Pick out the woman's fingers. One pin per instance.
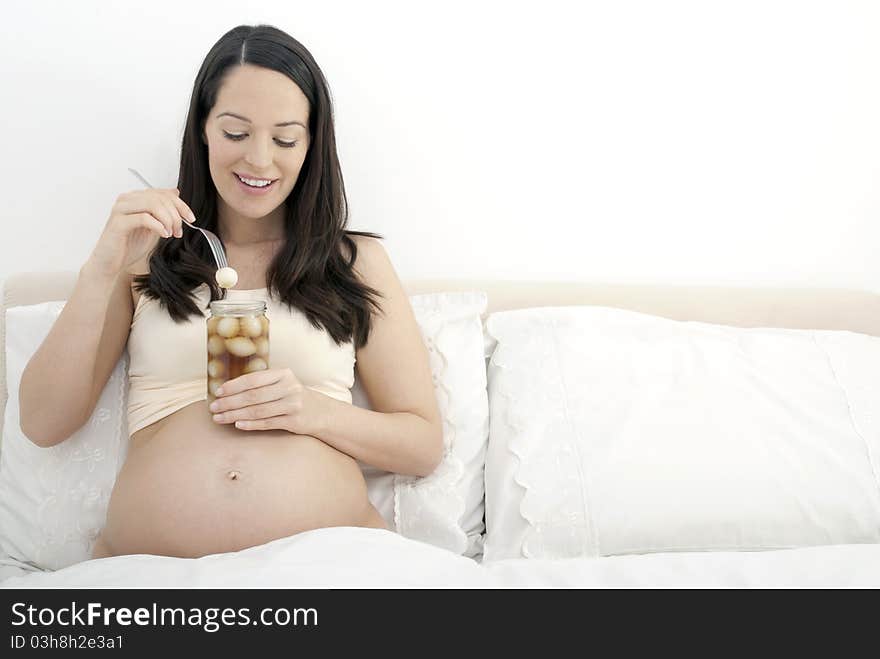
(147, 221)
(173, 214)
(261, 411)
(184, 210)
(248, 398)
(155, 203)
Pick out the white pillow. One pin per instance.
(446, 508)
(53, 502)
(616, 432)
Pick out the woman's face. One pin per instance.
(258, 129)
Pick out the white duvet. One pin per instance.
(354, 557)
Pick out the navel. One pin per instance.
(233, 475)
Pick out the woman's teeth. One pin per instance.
(253, 182)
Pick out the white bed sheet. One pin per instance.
(355, 557)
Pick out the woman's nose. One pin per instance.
(259, 155)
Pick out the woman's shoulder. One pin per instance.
(370, 258)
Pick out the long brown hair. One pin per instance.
(310, 271)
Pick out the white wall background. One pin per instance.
(671, 142)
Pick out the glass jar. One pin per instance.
(238, 341)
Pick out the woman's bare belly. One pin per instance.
(191, 487)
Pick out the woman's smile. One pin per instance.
(252, 187)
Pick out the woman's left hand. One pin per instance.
(273, 399)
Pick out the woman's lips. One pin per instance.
(254, 191)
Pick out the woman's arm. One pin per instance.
(64, 378)
(400, 442)
(403, 433)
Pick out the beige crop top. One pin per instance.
(167, 360)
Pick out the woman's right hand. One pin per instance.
(137, 221)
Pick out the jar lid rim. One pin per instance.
(238, 305)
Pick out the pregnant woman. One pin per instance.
(276, 454)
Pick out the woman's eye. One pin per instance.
(240, 136)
